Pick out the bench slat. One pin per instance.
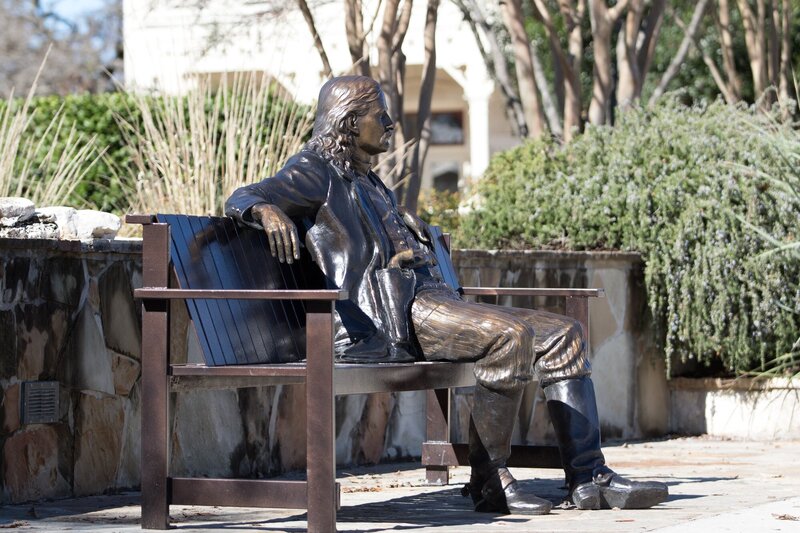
(238, 492)
(531, 291)
(217, 294)
(253, 312)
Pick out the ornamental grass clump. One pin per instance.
(190, 153)
(685, 187)
(42, 161)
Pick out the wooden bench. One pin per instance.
(274, 325)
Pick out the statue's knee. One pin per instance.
(575, 331)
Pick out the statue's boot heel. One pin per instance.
(622, 493)
(586, 497)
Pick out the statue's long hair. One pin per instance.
(341, 101)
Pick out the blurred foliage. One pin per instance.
(684, 186)
(92, 115)
(440, 208)
(105, 116)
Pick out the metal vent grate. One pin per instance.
(39, 402)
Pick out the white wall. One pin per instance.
(167, 44)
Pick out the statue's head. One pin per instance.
(351, 120)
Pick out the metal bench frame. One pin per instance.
(324, 379)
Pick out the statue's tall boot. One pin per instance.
(592, 485)
(491, 485)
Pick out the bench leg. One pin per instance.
(437, 429)
(155, 394)
(320, 412)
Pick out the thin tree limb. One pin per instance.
(326, 65)
(690, 37)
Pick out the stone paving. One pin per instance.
(715, 485)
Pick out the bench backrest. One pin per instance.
(217, 253)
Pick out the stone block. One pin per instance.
(41, 334)
(99, 426)
(129, 470)
(30, 229)
(255, 457)
(126, 372)
(290, 427)
(121, 324)
(8, 340)
(89, 359)
(406, 428)
(62, 280)
(207, 433)
(31, 469)
(19, 280)
(91, 224)
(14, 210)
(63, 218)
(374, 422)
(10, 408)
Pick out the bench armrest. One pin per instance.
(227, 294)
(529, 291)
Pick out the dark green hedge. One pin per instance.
(92, 114)
(686, 187)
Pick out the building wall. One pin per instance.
(167, 46)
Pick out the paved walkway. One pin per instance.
(715, 486)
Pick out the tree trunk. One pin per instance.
(652, 29)
(774, 44)
(690, 37)
(786, 82)
(326, 66)
(389, 63)
(523, 63)
(724, 25)
(356, 37)
(573, 105)
(602, 20)
(424, 110)
(627, 61)
(569, 65)
(755, 39)
(495, 63)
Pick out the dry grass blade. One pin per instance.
(191, 152)
(44, 167)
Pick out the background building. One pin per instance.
(167, 45)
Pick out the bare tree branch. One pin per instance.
(495, 62)
(424, 110)
(689, 37)
(326, 65)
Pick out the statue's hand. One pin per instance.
(281, 232)
(416, 225)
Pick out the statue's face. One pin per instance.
(375, 128)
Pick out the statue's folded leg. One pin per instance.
(502, 347)
(563, 371)
(592, 485)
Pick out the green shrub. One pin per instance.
(684, 187)
(114, 120)
(93, 116)
(440, 208)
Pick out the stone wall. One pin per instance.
(67, 315)
(628, 371)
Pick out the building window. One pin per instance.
(447, 127)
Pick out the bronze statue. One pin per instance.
(400, 309)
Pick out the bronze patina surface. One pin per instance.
(399, 308)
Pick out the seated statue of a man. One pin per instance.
(399, 308)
